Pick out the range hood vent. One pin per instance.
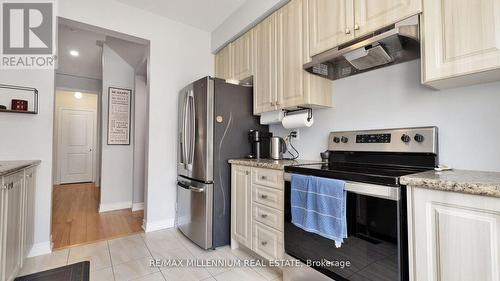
(391, 45)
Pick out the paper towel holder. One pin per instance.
(301, 108)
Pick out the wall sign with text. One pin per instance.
(119, 102)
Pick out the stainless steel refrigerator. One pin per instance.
(214, 120)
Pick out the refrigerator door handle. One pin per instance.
(184, 133)
(192, 135)
(189, 187)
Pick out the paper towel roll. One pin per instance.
(297, 121)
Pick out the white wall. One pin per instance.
(242, 20)
(26, 136)
(117, 160)
(468, 118)
(140, 131)
(179, 54)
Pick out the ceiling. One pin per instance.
(88, 63)
(88, 43)
(203, 14)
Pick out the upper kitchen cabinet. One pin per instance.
(242, 62)
(223, 63)
(265, 66)
(297, 87)
(330, 24)
(370, 15)
(461, 42)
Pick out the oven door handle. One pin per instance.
(373, 190)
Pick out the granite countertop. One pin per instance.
(471, 182)
(7, 167)
(270, 163)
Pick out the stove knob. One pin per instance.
(419, 138)
(336, 139)
(405, 138)
(344, 139)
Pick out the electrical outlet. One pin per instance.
(295, 134)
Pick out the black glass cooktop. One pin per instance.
(375, 174)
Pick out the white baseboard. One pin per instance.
(115, 206)
(40, 249)
(158, 225)
(137, 206)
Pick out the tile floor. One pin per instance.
(129, 258)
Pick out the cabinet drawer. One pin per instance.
(268, 177)
(268, 216)
(268, 196)
(267, 242)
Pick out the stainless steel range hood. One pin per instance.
(394, 44)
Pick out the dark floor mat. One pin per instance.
(74, 272)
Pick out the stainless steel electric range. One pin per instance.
(371, 162)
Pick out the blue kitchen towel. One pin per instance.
(319, 206)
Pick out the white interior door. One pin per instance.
(76, 128)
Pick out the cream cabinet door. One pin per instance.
(223, 64)
(241, 209)
(296, 87)
(461, 43)
(29, 210)
(242, 57)
(12, 244)
(331, 23)
(371, 15)
(453, 236)
(290, 55)
(265, 65)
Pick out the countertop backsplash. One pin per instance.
(392, 97)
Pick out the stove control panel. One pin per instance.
(413, 140)
(373, 138)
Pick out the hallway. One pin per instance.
(76, 220)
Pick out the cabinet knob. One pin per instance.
(263, 243)
(263, 178)
(278, 103)
(347, 31)
(264, 216)
(263, 196)
(272, 103)
(247, 173)
(356, 27)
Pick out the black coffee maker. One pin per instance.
(261, 144)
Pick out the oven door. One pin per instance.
(376, 247)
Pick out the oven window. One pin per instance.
(371, 248)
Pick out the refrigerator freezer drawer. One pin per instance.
(194, 211)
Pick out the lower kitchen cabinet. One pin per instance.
(241, 210)
(257, 210)
(453, 236)
(16, 221)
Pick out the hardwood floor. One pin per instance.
(76, 220)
